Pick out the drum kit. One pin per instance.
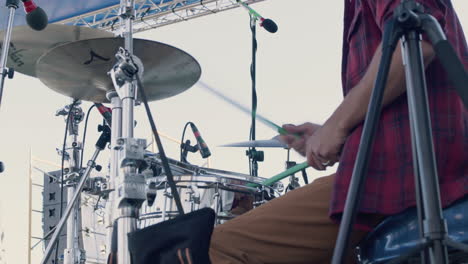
(92, 65)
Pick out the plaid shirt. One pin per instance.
(390, 187)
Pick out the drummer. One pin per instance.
(302, 226)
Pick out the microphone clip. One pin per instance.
(185, 149)
(188, 147)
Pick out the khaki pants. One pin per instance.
(291, 229)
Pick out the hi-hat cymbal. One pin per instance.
(79, 69)
(270, 143)
(28, 45)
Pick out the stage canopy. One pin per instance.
(104, 14)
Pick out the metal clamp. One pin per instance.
(97, 186)
(72, 178)
(132, 186)
(76, 117)
(124, 71)
(194, 194)
(132, 151)
(127, 12)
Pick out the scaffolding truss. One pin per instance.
(151, 14)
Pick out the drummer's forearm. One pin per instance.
(352, 111)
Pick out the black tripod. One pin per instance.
(408, 23)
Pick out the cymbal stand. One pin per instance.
(116, 133)
(129, 184)
(100, 145)
(407, 24)
(12, 5)
(73, 254)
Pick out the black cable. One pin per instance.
(84, 135)
(145, 13)
(162, 154)
(253, 77)
(182, 139)
(113, 23)
(62, 170)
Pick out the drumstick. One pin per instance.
(244, 109)
(267, 122)
(282, 175)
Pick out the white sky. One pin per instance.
(298, 80)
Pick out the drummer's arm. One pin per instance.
(352, 111)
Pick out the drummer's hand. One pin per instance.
(298, 142)
(323, 148)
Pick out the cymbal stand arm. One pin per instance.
(12, 5)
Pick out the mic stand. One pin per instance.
(254, 155)
(408, 22)
(293, 180)
(73, 253)
(100, 145)
(12, 5)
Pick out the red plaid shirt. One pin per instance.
(390, 187)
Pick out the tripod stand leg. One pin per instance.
(390, 39)
(455, 245)
(434, 225)
(417, 184)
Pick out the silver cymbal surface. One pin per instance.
(270, 143)
(28, 45)
(79, 69)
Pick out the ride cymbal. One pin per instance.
(80, 69)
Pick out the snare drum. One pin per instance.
(202, 187)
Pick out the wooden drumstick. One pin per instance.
(244, 109)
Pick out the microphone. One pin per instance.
(106, 112)
(268, 24)
(36, 17)
(204, 151)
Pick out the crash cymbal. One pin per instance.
(79, 69)
(28, 45)
(270, 143)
